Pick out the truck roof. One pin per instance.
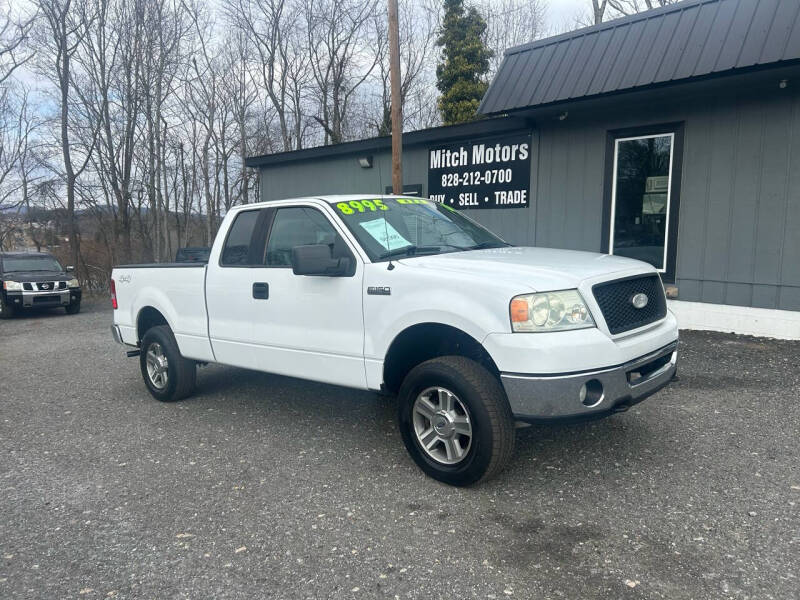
(332, 199)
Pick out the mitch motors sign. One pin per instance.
(485, 173)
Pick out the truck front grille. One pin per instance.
(615, 299)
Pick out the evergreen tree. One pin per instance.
(465, 61)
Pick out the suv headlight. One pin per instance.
(73, 283)
(549, 311)
(12, 286)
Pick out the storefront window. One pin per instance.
(640, 203)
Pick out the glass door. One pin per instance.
(641, 196)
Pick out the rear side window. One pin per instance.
(240, 247)
(299, 226)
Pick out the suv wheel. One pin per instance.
(73, 309)
(167, 375)
(455, 420)
(6, 310)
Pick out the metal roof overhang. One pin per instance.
(686, 41)
(433, 135)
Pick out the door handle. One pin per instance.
(261, 291)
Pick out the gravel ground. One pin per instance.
(267, 487)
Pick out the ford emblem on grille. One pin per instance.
(639, 300)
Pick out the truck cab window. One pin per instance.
(239, 249)
(300, 226)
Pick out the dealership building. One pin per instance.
(671, 136)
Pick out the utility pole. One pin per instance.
(397, 108)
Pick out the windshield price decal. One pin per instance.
(485, 173)
(348, 208)
(354, 206)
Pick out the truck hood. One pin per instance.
(543, 269)
(37, 276)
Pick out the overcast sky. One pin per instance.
(560, 12)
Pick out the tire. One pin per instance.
(6, 311)
(181, 373)
(73, 309)
(478, 397)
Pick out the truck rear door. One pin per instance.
(262, 316)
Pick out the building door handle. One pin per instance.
(261, 291)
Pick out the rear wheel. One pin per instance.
(167, 375)
(455, 420)
(6, 310)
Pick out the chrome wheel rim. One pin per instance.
(442, 425)
(157, 366)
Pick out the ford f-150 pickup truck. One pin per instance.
(409, 297)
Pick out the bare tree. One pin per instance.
(418, 25)
(613, 9)
(341, 59)
(274, 31)
(202, 86)
(112, 59)
(511, 23)
(65, 25)
(14, 33)
(240, 95)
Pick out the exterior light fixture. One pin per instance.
(365, 162)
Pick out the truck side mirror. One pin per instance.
(70, 269)
(316, 259)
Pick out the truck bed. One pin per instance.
(177, 291)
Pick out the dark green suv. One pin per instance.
(36, 280)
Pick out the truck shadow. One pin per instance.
(552, 451)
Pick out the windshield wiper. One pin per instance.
(410, 251)
(485, 245)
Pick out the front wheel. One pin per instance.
(167, 375)
(73, 309)
(455, 420)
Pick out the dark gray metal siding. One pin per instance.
(739, 230)
(682, 41)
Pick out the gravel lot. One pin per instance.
(268, 487)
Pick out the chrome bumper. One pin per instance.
(117, 334)
(43, 298)
(593, 393)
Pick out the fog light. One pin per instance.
(591, 393)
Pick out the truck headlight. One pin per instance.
(549, 311)
(73, 283)
(12, 286)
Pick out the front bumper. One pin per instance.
(44, 298)
(590, 394)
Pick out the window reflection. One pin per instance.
(641, 198)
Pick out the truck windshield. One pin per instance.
(400, 227)
(13, 264)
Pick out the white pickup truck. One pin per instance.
(409, 297)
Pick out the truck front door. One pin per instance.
(262, 316)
